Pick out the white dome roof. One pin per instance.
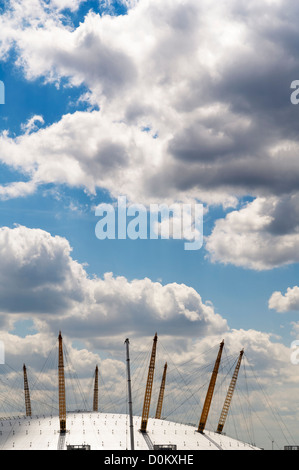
(106, 432)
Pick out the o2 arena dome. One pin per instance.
(119, 432)
(94, 431)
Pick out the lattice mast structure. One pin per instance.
(229, 396)
(61, 379)
(149, 387)
(27, 393)
(210, 393)
(161, 395)
(127, 343)
(96, 391)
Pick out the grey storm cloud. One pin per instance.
(98, 64)
(212, 154)
(285, 216)
(255, 85)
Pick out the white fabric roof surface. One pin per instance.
(106, 432)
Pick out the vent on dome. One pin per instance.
(166, 447)
(84, 447)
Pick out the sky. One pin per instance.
(162, 102)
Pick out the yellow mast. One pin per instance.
(27, 393)
(161, 396)
(149, 387)
(96, 391)
(229, 396)
(209, 397)
(62, 402)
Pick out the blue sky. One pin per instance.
(138, 101)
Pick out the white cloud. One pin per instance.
(19, 189)
(38, 276)
(37, 273)
(72, 5)
(31, 125)
(262, 235)
(85, 149)
(285, 303)
(162, 67)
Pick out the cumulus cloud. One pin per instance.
(262, 235)
(285, 303)
(37, 273)
(161, 67)
(83, 150)
(39, 276)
